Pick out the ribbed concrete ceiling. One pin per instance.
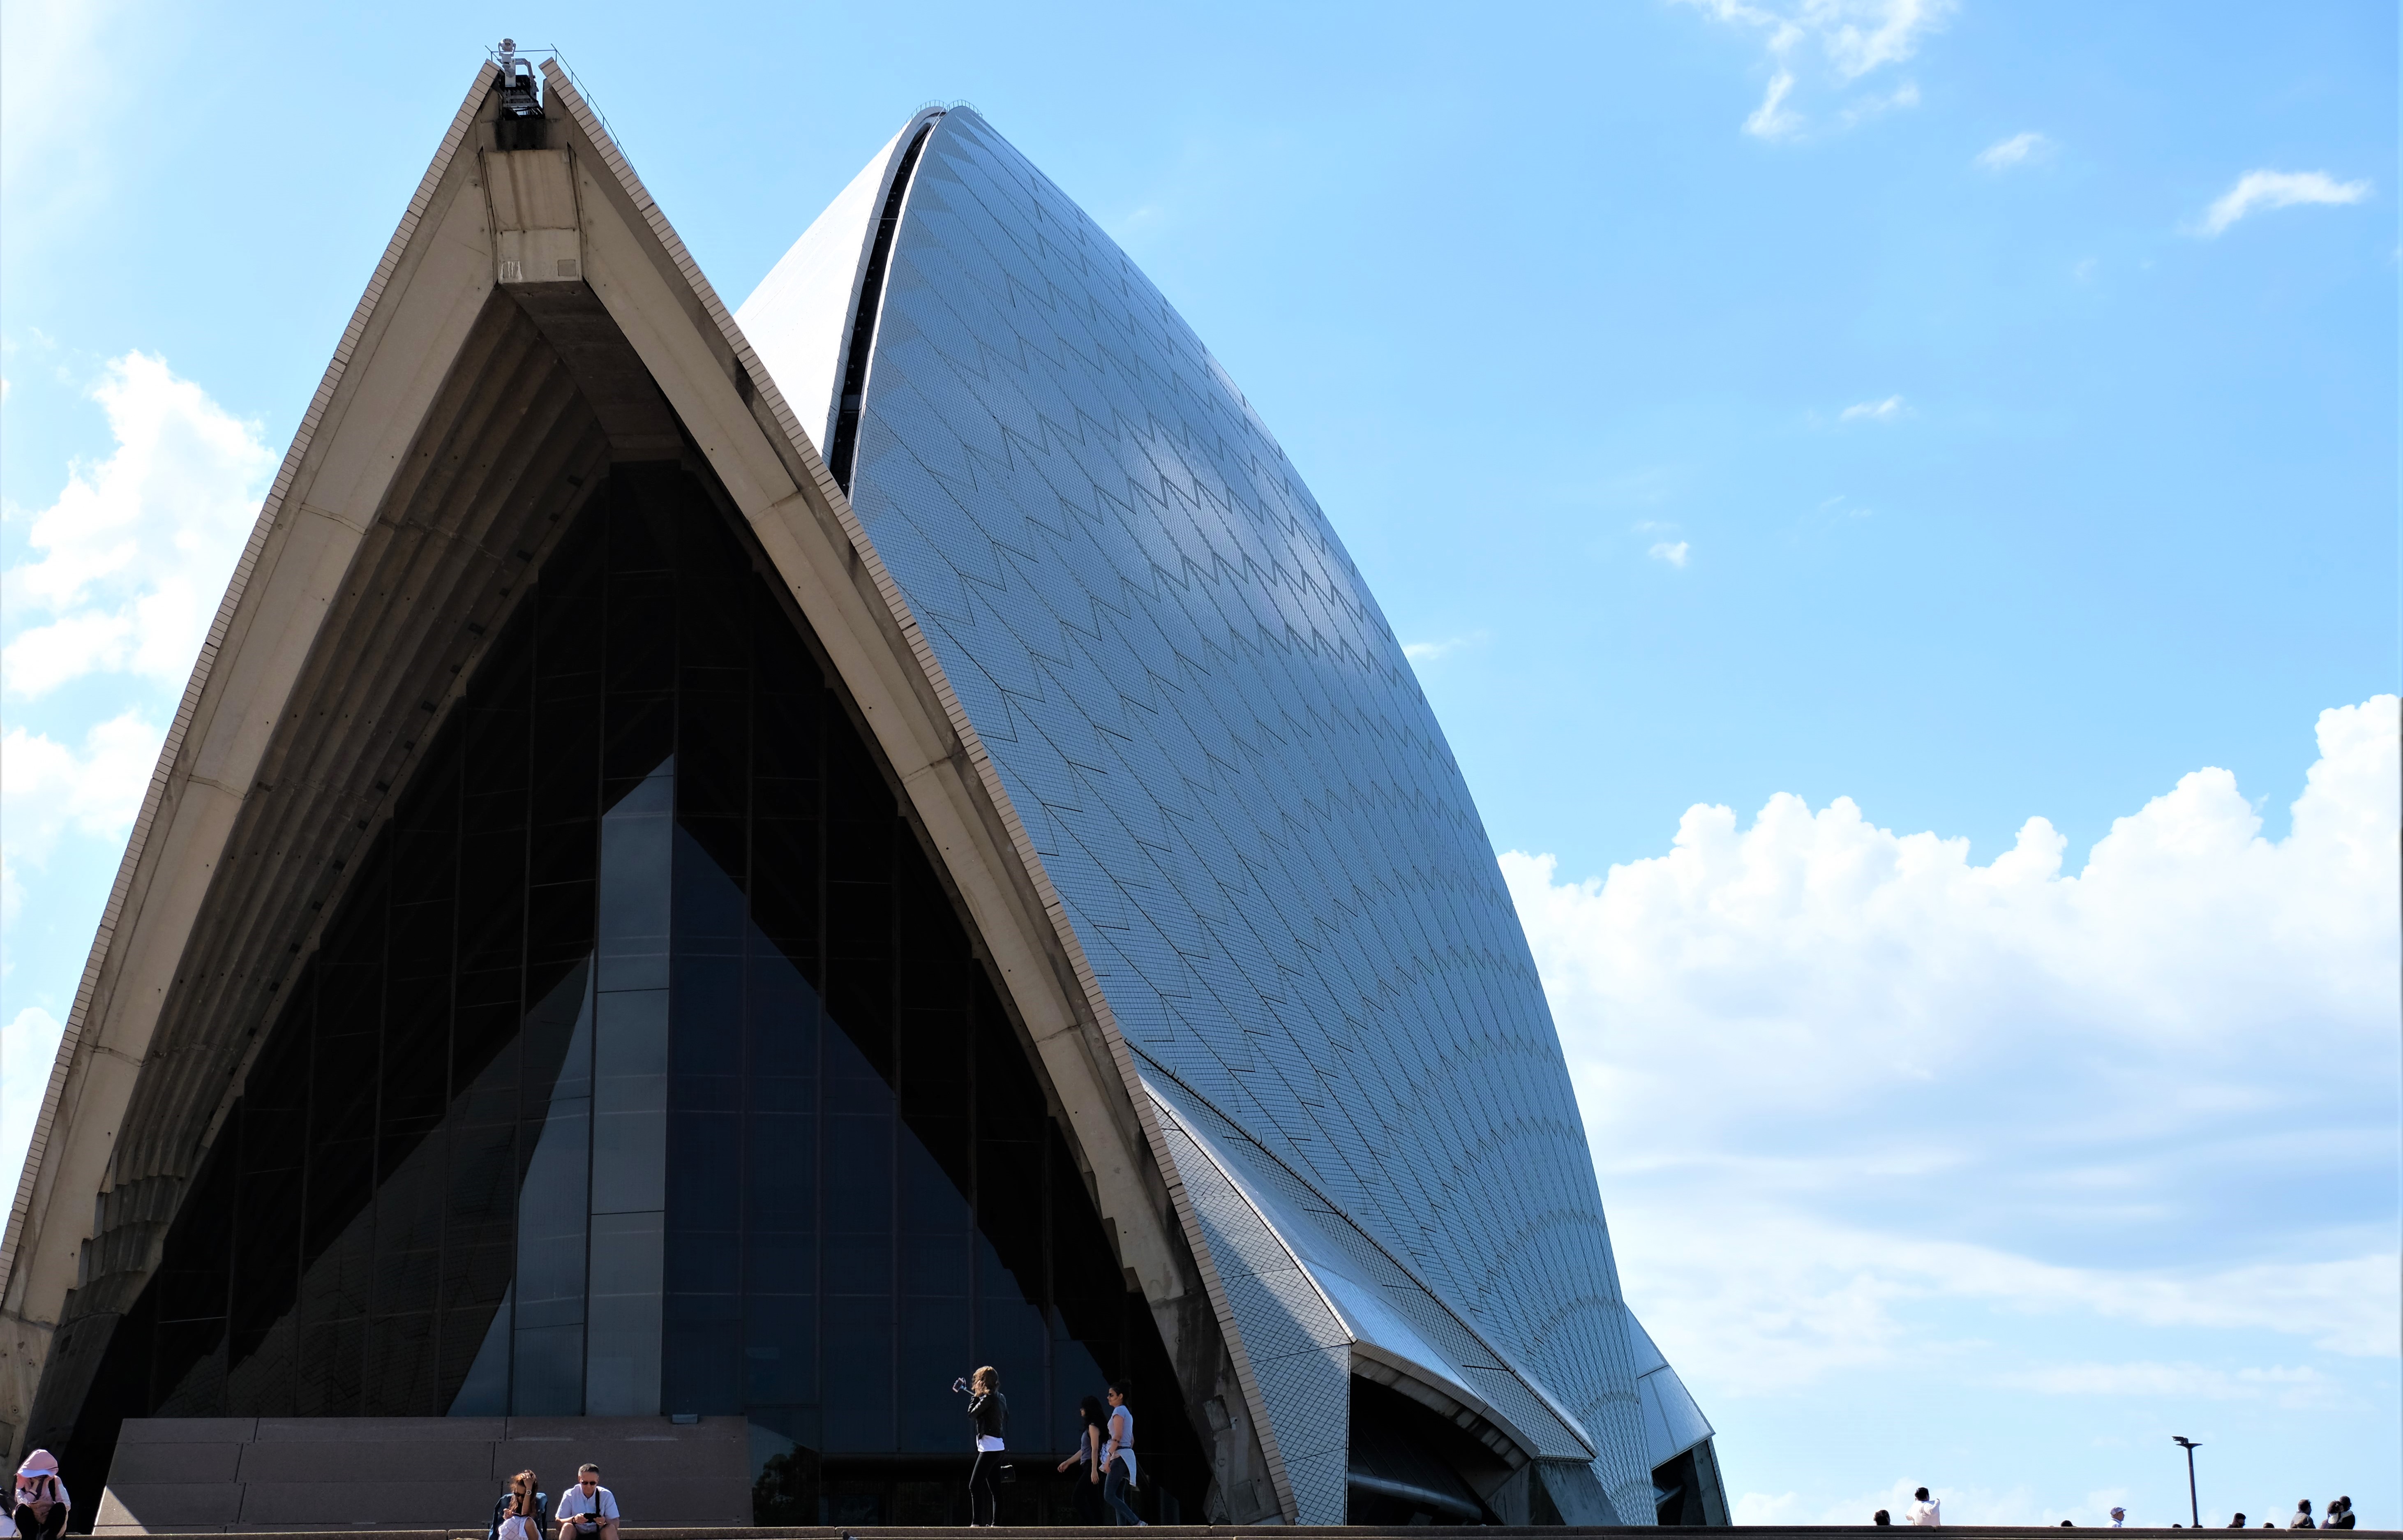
(505, 456)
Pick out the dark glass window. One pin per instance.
(647, 1067)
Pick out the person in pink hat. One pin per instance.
(41, 1498)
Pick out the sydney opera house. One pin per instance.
(719, 868)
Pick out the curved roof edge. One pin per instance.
(799, 317)
(1673, 1422)
(1381, 1306)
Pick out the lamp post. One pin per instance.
(2193, 1508)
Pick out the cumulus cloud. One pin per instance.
(2018, 149)
(49, 790)
(126, 568)
(1672, 551)
(2277, 190)
(1838, 1078)
(1838, 41)
(1873, 411)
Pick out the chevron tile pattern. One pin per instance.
(1231, 773)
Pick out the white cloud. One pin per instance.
(1843, 1085)
(2277, 190)
(1428, 652)
(1673, 553)
(1873, 411)
(1839, 41)
(49, 790)
(128, 563)
(2288, 1387)
(1771, 120)
(2018, 149)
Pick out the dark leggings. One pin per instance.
(48, 1528)
(984, 1496)
(1118, 1493)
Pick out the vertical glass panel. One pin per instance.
(780, 1352)
(705, 1179)
(630, 1101)
(708, 1029)
(935, 1350)
(484, 1390)
(190, 1368)
(554, 1202)
(648, 1066)
(857, 1352)
(621, 1355)
(708, 898)
(636, 852)
(780, 1016)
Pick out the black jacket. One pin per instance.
(989, 1413)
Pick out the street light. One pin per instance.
(2194, 1509)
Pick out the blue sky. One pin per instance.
(1981, 412)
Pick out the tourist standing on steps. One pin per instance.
(2237, 1522)
(1927, 1512)
(1117, 1460)
(2340, 1514)
(41, 1498)
(2302, 1518)
(989, 1416)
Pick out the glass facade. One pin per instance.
(647, 1067)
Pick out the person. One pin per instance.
(589, 1511)
(41, 1499)
(2302, 1518)
(2119, 1519)
(1118, 1461)
(2338, 1516)
(519, 1516)
(1926, 1511)
(988, 1418)
(1880, 1518)
(1088, 1498)
(2237, 1522)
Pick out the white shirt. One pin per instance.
(1928, 1515)
(516, 1526)
(601, 1502)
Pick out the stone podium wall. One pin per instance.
(221, 1475)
